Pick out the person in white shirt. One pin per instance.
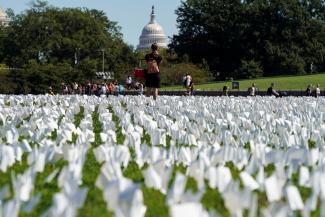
(252, 90)
(141, 89)
(104, 90)
(317, 94)
(129, 82)
(188, 80)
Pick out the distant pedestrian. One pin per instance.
(51, 91)
(308, 90)
(115, 88)
(225, 90)
(94, 89)
(140, 86)
(152, 76)
(88, 89)
(75, 87)
(104, 89)
(191, 88)
(129, 82)
(110, 88)
(64, 89)
(188, 83)
(120, 89)
(252, 90)
(272, 92)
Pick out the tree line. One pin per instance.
(46, 45)
(252, 38)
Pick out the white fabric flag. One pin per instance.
(294, 198)
(273, 188)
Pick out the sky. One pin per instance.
(131, 15)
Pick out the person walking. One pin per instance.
(88, 89)
(152, 76)
(252, 90)
(120, 89)
(308, 90)
(129, 82)
(75, 88)
(140, 86)
(272, 92)
(188, 83)
(225, 90)
(51, 91)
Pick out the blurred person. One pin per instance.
(188, 83)
(51, 91)
(191, 88)
(225, 90)
(88, 89)
(115, 88)
(75, 88)
(94, 89)
(120, 89)
(64, 89)
(129, 82)
(309, 90)
(252, 90)
(141, 88)
(104, 89)
(152, 75)
(272, 92)
(110, 88)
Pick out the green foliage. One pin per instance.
(17, 168)
(46, 190)
(94, 204)
(78, 117)
(49, 43)
(120, 137)
(284, 36)
(154, 200)
(132, 171)
(36, 78)
(173, 68)
(250, 69)
(212, 200)
(98, 126)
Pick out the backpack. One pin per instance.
(153, 67)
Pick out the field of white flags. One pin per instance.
(177, 156)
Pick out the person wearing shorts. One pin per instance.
(152, 76)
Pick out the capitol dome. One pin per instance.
(3, 17)
(152, 33)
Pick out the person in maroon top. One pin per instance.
(152, 75)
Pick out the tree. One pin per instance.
(284, 36)
(74, 38)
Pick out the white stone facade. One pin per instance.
(152, 33)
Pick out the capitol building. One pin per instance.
(152, 33)
(3, 17)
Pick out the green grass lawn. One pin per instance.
(280, 83)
